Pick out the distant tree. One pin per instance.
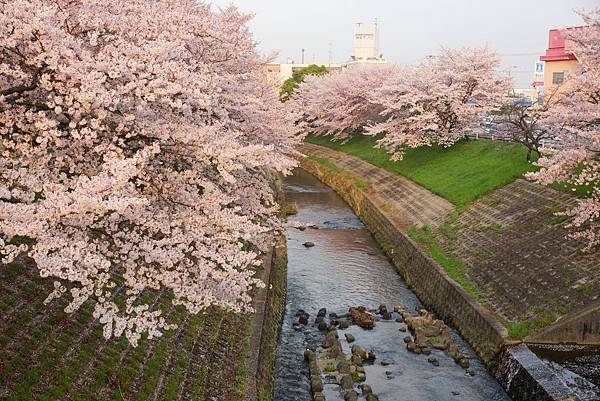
(440, 100)
(522, 123)
(340, 103)
(291, 84)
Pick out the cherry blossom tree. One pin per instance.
(575, 120)
(438, 101)
(137, 144)
(435, 102)
(341, 103)
(522, 123)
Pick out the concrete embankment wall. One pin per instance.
(525, 377)
(272, 322)
(581, 327)
(424, 276)
(269, 304)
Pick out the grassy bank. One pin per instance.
(460, 174)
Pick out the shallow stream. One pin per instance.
(345, 268)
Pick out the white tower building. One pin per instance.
(366, 44)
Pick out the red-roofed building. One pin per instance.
(559, 60)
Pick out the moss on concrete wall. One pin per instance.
(272, 322)
(269, 303)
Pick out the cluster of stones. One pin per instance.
(303, 226)
(336, 367)
(427, 333)
(332, 365)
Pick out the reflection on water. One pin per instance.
(347, 268)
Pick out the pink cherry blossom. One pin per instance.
(435, 102)
(440, 100)
(137, 145)
(341, 102)
(573, 120)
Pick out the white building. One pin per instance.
(366, 50)
(366, 44)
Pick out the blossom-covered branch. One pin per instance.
(137, 140)
(574, 119)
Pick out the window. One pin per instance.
(558, 78)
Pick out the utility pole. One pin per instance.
(303, 56)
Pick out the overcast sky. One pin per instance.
(411, 29)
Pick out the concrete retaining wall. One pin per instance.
(274, 310)
(424, 276)
(269, 303)
(526, 378)
(582, 327)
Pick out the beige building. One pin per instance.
(366, 43)
(278, 73)
(559, 61)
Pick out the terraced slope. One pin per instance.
(518, 253)
(46, 354)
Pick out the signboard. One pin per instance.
(540, 67)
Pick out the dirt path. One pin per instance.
(415, 205)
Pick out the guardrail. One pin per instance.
(498, 136)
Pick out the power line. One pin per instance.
(519, 54)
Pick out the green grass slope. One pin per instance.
(460, 174)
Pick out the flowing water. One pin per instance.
(578, 366)
(347, 268)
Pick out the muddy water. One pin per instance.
(347, 268)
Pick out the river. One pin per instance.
(345, 268)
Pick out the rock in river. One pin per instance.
(433, 360)
(309, 355)
(351, 396)
(346, 382)
(330, 340)
(316, 385)
(309, 244)
(463, 362)
(362, 318)
(322, 326)
(387, 362)
(343, 367)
